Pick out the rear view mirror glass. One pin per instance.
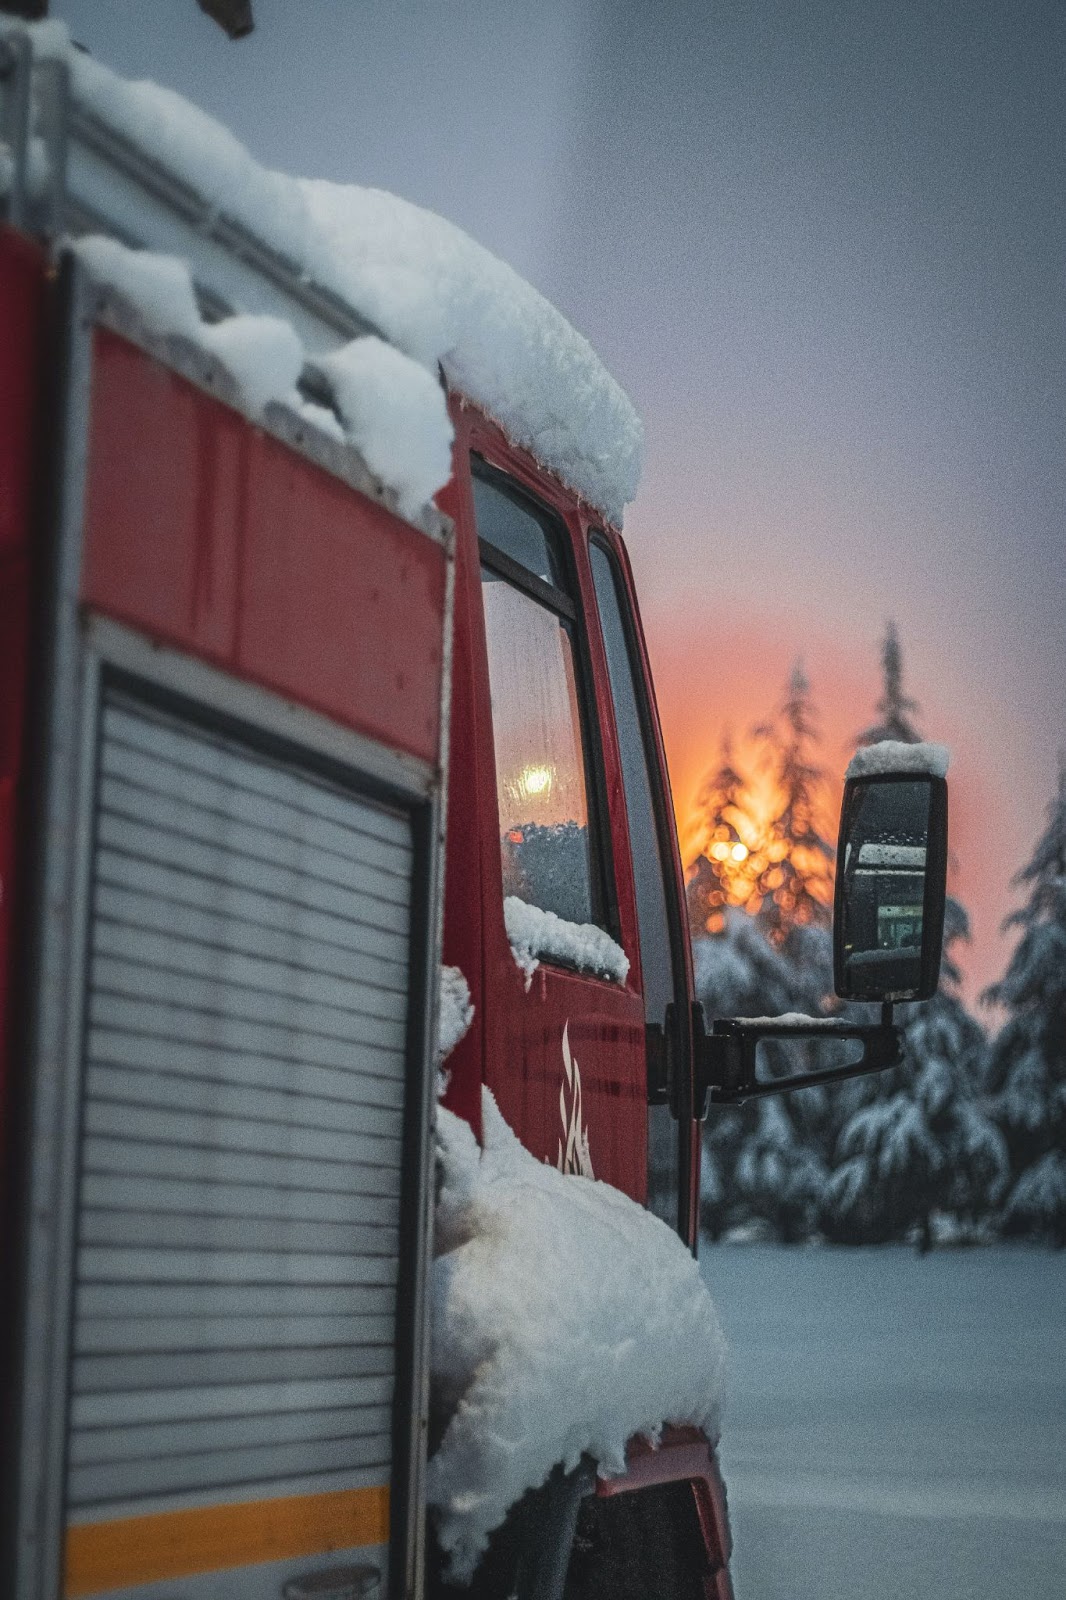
(890, 888)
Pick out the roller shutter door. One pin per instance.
(243, 1106)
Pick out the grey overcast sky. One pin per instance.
(822, 245)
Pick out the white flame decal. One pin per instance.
(574, 1157)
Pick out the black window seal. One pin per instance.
(521, 577)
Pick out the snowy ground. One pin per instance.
(895, 1427)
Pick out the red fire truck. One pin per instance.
(241, 694)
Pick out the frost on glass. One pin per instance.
(540, 769)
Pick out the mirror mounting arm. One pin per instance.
(725, 1058)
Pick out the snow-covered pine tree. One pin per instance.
(766, 1160)
(920, 1139)
(760, 1160)
(1027, 1061)
(780, 1174)
(722, 811)
(926, 1142)
(894, 707)
(738, 973)
(795, 888)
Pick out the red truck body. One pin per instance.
(151, 530)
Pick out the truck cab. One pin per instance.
(564, 911)
(311, 564)
(237, 634)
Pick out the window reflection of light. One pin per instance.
(739, 852)
(535, 780)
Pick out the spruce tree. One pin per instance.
(894, 708)
(795, 887)
(920, 1139)
(721, 807)
(766, 1161)
(1027, 1061)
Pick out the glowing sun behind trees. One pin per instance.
(762, 831)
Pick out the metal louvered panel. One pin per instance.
(242, 1126)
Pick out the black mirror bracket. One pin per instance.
(726, 1057)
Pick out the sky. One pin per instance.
(822, 246)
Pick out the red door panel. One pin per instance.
(517, 1043)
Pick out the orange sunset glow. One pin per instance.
(741, 839)
(705, 694)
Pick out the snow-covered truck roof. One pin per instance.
(353, 261)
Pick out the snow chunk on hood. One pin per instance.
(394, 412)
(533, 933)
(566, 1320)
(431, 290)
(893, 756)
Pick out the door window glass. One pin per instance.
(657, 950)
(542, 771)
(653, 919)
(514, 528)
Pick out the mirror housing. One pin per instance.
(891, 880)
(888, 929)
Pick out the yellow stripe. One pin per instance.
(176, 1544)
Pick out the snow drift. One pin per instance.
(566, 1319)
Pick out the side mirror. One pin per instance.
(891, 882)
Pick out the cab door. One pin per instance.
(558, 1035)
(576, 825)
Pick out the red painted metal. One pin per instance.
(22, 313)
(684, 1455)
(206, 533)
(516, 1047)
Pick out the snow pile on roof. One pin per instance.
(424, 284)
(891, 755)
(263, 354)
(444, 298)
(566, 1320)
(455, 1013)
(534, 933)
(396, 413)
(393, 411)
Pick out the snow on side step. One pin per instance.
(566, 1319)
(431, 290)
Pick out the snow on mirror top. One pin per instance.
(892, 756)
(431, 290)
